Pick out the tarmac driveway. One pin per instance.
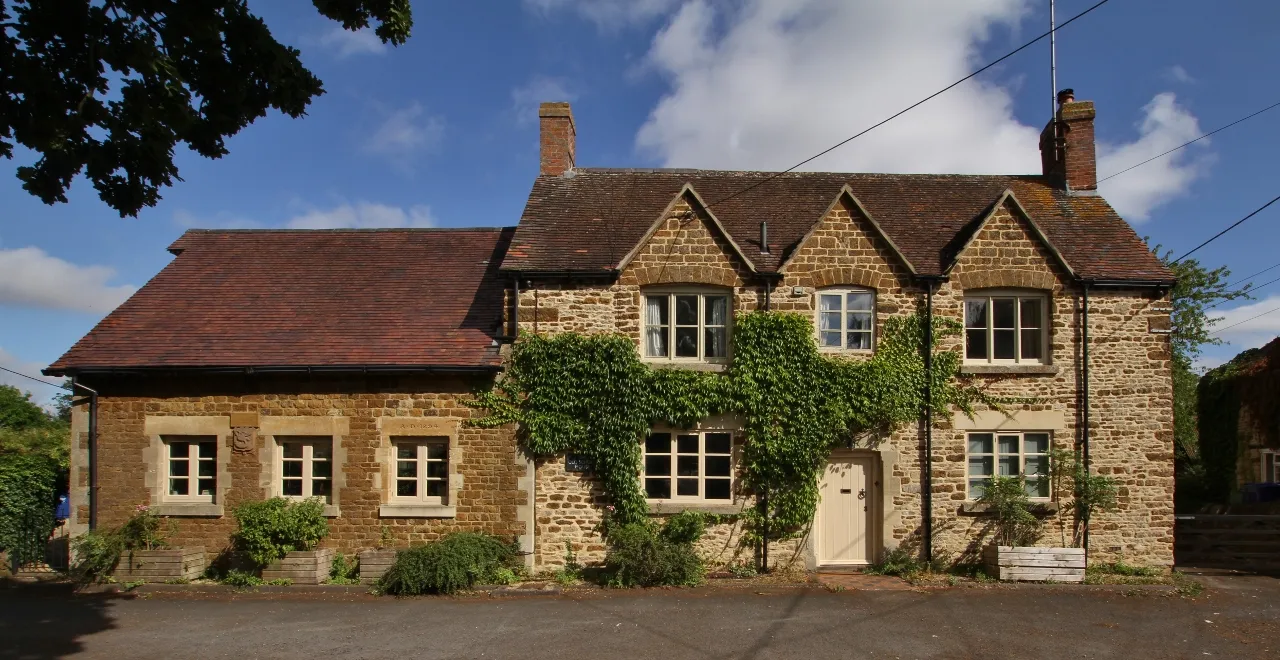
(1237, 617)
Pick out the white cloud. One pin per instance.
(1164, 126)
(525, 98)
(1251, 332)
(364, 215)
(607, 14)
(776, 82)
(1178, 74)
(345, 43)
(406, 132)
(42, 395)
(31, 278)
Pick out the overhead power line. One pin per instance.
(907, 109)
(38, 380)
(1246, 279)
(1271, 311)
(1251, 290)
(1189, 142)
(1233, 226)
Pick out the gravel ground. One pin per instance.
(1235, 617)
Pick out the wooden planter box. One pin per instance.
(373, 563)
(1035, 564)
(301, 567)
(185, 563)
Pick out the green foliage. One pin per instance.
(1006, 500)
(1119, 567)
(592, 395)
(109, 89)
(643, 554)
(344, 569)
(1198, 290)
(18, 411)
(1081, 491)
(898, 561)
(685, 527)
(458, 561)
(28, 493)
(269, 529)
(99, 552)
(1219, 420)
(241, 579)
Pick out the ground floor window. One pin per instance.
(191, 468)
(688, 465)
(306, 467)
(1009, 454)
(1270, 466)
(422, 470)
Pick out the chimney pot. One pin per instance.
(556, 139)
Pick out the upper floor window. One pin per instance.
(846, 319)
(306, 467)
(686, 325)
(192, 468)
(1009, 455)
(1005, 327)
(689, 465)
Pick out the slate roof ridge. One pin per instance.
(802, 174)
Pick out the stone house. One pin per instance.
(267, 356)
(1240, 428)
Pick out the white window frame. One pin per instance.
(670, 293)
(1274, 456)
(702, 455)
(421, 460)
(308, 461)
(845, 312)
(193, 459)
(1018, 297)
(995, 455)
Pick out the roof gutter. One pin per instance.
(278, 369)
(593, 275)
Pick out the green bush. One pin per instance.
(98, 552)
(344, 569)
(897, 561)
(456, 562)
(645, 555)
(269, 529)
(241, 579)
(28, 491)
(1006, 499)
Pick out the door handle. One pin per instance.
(862, 494)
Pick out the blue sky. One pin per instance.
(442, 131)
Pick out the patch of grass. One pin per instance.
(241, 579)
(279, 582)
(177, 580)
(897, 562)
(741, 570)
(133, 584)
(1186, 586)
(1118, 572)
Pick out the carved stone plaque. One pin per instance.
(242, 439)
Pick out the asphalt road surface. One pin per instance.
(1235, 618)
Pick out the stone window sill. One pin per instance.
(715, 508)
(187, 510)
(978, 508)
(1009, 369)
(715, 367)
(417, 511)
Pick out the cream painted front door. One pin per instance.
(845, 511)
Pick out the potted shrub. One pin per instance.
(1012, 555)
(137, 551)
(280, 537)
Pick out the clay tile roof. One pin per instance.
(589, 219)
(314, 298)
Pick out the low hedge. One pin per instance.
(644, 554)
(456, 562)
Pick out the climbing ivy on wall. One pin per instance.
(593, 395)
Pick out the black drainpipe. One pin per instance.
(1084, 440)
(928, 422)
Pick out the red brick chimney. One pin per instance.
(1066, 145)
(556, 139)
